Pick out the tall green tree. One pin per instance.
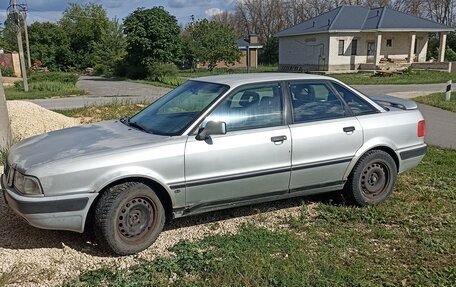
(50, 44)
(211, 42)
(90, 34)
(152, 36)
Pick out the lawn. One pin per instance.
(438, 100)
(45, 85)
(407, 241)
(414, 77)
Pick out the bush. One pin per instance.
(54, 77)
(100, 69)
(7, 72)
(450, 55)
(160, 71)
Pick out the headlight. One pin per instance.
(27, 185)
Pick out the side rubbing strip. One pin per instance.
(413, 153)
(230, 177)
(322, 163)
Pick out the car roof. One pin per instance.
(234, 80)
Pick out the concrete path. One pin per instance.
(441, 125)
(104, 91)
(401, 91)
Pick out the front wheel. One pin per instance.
(372, 179)
(128, 218)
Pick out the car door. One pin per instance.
(325, 136)
(252, 159)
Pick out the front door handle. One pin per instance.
(279, 139)
(349, 129)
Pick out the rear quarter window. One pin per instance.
(357, 105)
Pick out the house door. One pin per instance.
(370, 52)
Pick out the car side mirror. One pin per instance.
(211, 128)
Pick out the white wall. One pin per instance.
(304, 50)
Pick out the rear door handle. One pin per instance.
(279, 139)
(349, 129)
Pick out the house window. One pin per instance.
(389, 42)
(354, 47)
(341, 47)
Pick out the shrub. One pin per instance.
(7, 72)
(100, 69)
(450, 55)
(54, 77)
(159, 71)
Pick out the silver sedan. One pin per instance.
(213, 143)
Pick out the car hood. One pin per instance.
(76, 142)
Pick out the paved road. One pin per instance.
(103, 91)
(441, 125)
(401, 91)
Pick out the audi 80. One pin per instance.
(213, 143)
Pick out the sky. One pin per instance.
(51, 10)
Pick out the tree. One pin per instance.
(212, 42)
(50, 44)
(152, 36)
(90, 34)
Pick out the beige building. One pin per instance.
(354, 37)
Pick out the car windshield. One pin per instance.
(174, 112)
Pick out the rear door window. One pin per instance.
(314, 101)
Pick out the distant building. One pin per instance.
(249, 46)
(355, 37)
(11, 60)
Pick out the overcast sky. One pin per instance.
(51, 10)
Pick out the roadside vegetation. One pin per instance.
(410, 77)
(45, 85)
(407, 241)
(115, 110)
(438, 100)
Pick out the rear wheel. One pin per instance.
(372, 179)
(128, 218)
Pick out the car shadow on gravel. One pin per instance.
(16, 233)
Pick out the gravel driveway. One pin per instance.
(35, 257)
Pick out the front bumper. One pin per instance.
(68, 212)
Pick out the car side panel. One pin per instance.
(321, 151)
(163, 163)
(396, 129)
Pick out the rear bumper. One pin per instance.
(68, 212)
(411, 157)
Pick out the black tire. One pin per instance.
(128, 218)
(372, 179)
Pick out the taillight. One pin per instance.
(421, 129)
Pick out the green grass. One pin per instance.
(407, 241)
(414, 77)
(45, 85)
(438, 100)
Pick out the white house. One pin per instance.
(354, 37)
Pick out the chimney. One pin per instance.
(253, 39)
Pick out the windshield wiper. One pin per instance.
(126, 121)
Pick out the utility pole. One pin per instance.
(27, 46)
(19, 44)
